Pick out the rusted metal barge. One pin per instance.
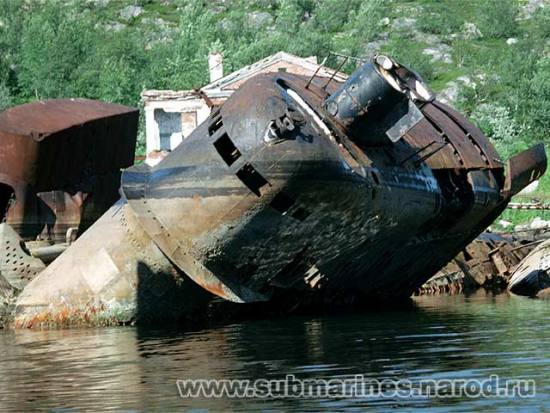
(296, 188)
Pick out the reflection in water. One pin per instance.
(134, 369)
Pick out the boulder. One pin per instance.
(258, 19)
(470, 31)
(529, 9)
(404, 24)
(130, 12)
(439, 53)
(539, 223)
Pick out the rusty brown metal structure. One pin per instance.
(60, 163)
(302, 189)
(487, 263)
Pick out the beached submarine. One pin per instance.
(296, 187)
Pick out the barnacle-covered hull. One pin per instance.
(298, 188)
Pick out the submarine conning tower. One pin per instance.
(377, 103)
(297, 190)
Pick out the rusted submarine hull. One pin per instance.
(295, 187)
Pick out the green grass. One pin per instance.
(166, 11)
(444, 75)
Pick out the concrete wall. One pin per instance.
(168, 122)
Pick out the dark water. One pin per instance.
(134, 370)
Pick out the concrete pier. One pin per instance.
(118, 276)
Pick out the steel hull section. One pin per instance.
(62, 161)
(276, 214)
(355, 244)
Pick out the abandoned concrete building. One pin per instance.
(170, 116)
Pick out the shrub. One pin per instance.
(5, 97)
(500, 126)
(439, 18)
(409, 53)
(499, 18)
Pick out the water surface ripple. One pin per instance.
(135, 369)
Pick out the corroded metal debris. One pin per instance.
(532, 276)
(487, 262)
(295, 187)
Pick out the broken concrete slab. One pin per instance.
(119, 276)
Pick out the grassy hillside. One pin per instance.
(489, 58)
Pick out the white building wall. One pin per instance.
(194, 105)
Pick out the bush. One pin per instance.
(60, 48)
(439, 19)
(499, 18)
(409, 53)
(5, 97)
(500, 126)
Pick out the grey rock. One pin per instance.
(439, 53)
(449, 95)
(470, 31)
(226, 24)
(130, 12)
(157, 22)
(430, 39)
(385, 21)
(114, 27)
(531, 7)
(465, 80)
(539, 223)
(257, 19)
(98, 3)
(373, 47)
(404, 24)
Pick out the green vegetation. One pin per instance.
(102, 49)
